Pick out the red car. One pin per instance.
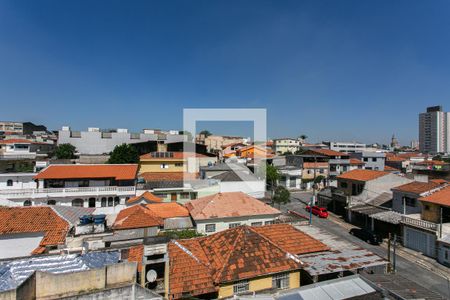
(321, 212)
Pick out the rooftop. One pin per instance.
(170, 155)
(146, 196)
(168, 210)
(356, 162)
(417, 187)
(362, 175)
(16, 220)
(198, 265)
(118, 172)
(328, 152)
(441, 197)
(228, 205)
(15, 141)
(137, 216)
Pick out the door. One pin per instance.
(173, 197)
(91, 202)
(420, 241)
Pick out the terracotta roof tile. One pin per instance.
(119, 172)
(137, 216)
(328, 152)
(168, 210)
(34, 219)
(199, 266)
(440, 181)
(168, 176)
(417, 187)
(356, 162)
(146, 196)
(390, 169)
(440, 197)
(432, 163)
(15, 141)
(228, 205)
(362, 175)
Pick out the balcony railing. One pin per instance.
(62, 192)
(420, 223)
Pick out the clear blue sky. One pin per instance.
(341, 70)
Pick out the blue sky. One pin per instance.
(340, 70)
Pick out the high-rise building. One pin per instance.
(434, 131)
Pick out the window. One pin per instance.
(116, 201)
(280, 281)
(210, 227)
(240, 287)
(164, 166)
(9, 182)
(78, 202)
(409, 201)
(103, 202)
(446, 255)
(365, 159)
(233, 225)
(268, 223)
(27, 203)
(374, 159)
(110, 201)
(51, 202)
(344, 185)
(321, 171)
(178, 164)
(184, 195)
(256, 224)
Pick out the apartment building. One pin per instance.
(283, 145)
(372, 160)
(434, 131)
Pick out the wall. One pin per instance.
(223, 224)
(253, 188)
(16, 245)
(154, 165)
(20, 181)
(432, 214)
(397, 203)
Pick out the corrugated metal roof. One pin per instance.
(342, 288)
(72, 214)
(13, 273)
(388, 216)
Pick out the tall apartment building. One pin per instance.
(434, 131)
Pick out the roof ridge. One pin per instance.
(240, 232)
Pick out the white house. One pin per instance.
(228, 210)
(9, 181)
(16, 149)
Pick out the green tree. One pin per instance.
(303, 137)
(124, 154)
(206, 133)
(272, 176)
(182, 234)
(65, 151)
(281, 196)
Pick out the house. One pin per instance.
(229, 150)
(427, 231)
(174, 162)
(16, 149)
(144, 198)
(356, 164)
(372, 160)
(405, 197)
(283, 145)
(10, 181)
(216, 142)
(106, 187)
(227, 210)
(239, 260)
(253, 152)
(347, 147)
(312, 170)
(30, 230)
(434, 169)
(339, 162)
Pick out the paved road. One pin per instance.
(410, 270)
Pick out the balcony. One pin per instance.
(68, 192)
(422, 224)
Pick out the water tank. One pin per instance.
(85, 220)
(99, 219)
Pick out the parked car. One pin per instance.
(367, 235)
(321, 212)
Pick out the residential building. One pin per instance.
(434, 169)
(356, 164)
(372, 160)
(16, 149)
(168, 162)
(312, 170)
(405, 197)
(215, 143)
(96, 141)
(230, 149)
(30, 230)
(339, 162)
(346, 147)
(238, 180)
(283, 145)
(291, 177)
(227, 210)
(238, 260)
(11, 128)
(144, 198)
(106, 187)
(11, 181)
(434, 131)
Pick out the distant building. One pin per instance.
(394, 142)
(283, 145)
(95, 141)
(11, 128)
(215, 143)
(434, 131)
(348, 147)
(371, 160)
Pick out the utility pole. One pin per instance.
(389, 253)
(440, 226)
(313, 198)
(394, 257)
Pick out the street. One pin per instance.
(406, 268)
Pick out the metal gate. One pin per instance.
(420, 241)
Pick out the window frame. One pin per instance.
(280, 281)
(209, 225)
(241, 286)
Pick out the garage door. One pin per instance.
(420, 241)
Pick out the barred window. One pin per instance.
(233, 225)
(280, 281)
(241, 287)
(210, 227)
(256, 224)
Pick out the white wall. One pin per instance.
(223, 224)
(16, 245)
(20, 181)
(252, 188)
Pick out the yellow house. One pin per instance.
(170, 162)
(239, 260)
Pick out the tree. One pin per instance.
(206, 133)
(65, 151)
(124, 154)
(303, 137)
(182, 234)
(287, 153)
(281, 196)
(272, 176)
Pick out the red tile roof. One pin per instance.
(417, 187)
(362, 175)
(119, 172)
(175, 155)
(328, 152)
(137, 216)
(315, 165)
(441, 197)
(440, 181)
(198, 266)
(356, 162)
(395, 158)
(15, 220)
(228, 205)
(146, 196)
(168, 210)
(168, 176)
(432, 162)
(15, 141)
(390, 169)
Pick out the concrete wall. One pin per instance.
(16, 245)
(397, 203)
(223, 224)
(19, 181)
(50, 286)
(431, 212)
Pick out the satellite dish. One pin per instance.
(151, 276)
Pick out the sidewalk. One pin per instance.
(413, 256)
